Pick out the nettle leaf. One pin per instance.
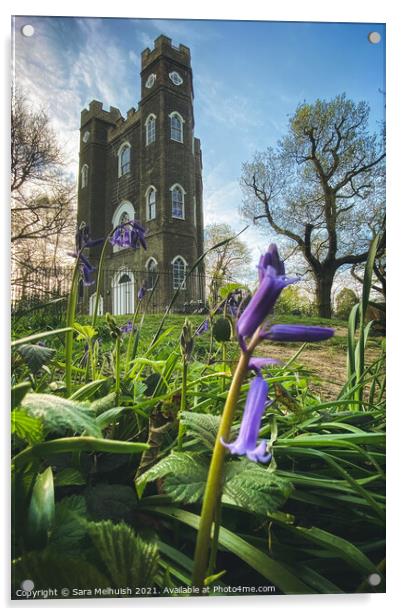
(184, 475)
(18, 392)
(130, 560)
(255, 487)
(111, 501)
(203, 426)
(103, 404)
(69, 477)
(70, 525)
(27, 428)
(61, 416)
(35, 355)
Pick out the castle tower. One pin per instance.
(147, 166)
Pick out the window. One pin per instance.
(92, 304)
(175, 78)
(177, 201)
(150, 81)
(124, 158)
(151, 271)
(150, 199)
(123, 213)
(150, 129)
(84, 176)
(179, 272)
(176, 127)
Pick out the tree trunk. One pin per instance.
(323, 293)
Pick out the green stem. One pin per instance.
(117, 369)
(70, 319)
(99, 277)
(215, 538)
(131, 338)
(183, 401)
(224, 366)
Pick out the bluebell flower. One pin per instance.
(141, 293)
(298, 333)
(256, 363)
(127, 327)
(129, 234)
(82, 241)
(201, 329)
(246, 442)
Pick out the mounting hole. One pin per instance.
(28, 30)
(374, 37)
(374, 579)
(27, 585)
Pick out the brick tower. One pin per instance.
(146, 166)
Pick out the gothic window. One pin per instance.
(150, 198)
(92, 300)
(177, 201)
(150, 129)
(178, 272)
(175, 78)
(123, 292)
(84, 176)
(176, 127)
(123, 214)
(151, 273)
(124, 158)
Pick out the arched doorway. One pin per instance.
(123, 292)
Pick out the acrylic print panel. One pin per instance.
(198, 269)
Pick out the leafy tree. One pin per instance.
(345, 300)
(322, 188)
(226, 262)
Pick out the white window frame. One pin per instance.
(177, 284)
(175, 115)
(150, 213)
(172, 189)
(150, 129)
(124, 207)
(176, 78)
(124, 146)
(84, 175)
(150, 261)
(123, 297)
(92, 304)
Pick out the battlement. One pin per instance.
(96, 110)
(163, 45)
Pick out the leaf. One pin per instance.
(18, 392)
(203, 426)
(254, 487)
(88, 390)
(185, 476)
(111, 501)
(70, 526)
(35, 356)
(41, 510)
(103, 404)
(29, 339)
(60, 415)
(85, 332)
(27, 428)
(130, 561)
(69, 477)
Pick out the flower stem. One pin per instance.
(70, 319)
(99, 278)
(215, 474)
(131, 338)
(182, 404)
(117, 368)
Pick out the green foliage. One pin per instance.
(25, 427)
(111, 502)
(36, 356)
(293, 301)
(41, 510)
(345, 300)
(222, 330)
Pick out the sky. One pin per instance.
(249, 77)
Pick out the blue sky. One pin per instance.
(248, 79)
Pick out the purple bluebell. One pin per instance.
(256, 363)
(201, 329)
(263, 300)
(272, 258)
(82, 241)
(246, 442)
(129, 234)
(141, 293)
(298, 333)
(127, 327)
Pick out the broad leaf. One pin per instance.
(41, 510)
(36, 356)
(27, 428)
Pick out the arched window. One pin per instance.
(150, 200)
(150, 129)
(179, 266)
(177, 201)
(84, 176)
(92, 304)
(176, 126)
(151, 267)
(123, 213)
(123, 292)
(124, 159)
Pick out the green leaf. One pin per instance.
(103, 404)
(222, 330)
(268, 567)
(85, 332)
(254, 487)
(18, 392)
(27, 428)
(60, 415)
(29, 339)
(204, 427)
(111, 501)
(41, 510)
(89, 389)
(35, 356)
(185, 476)
(69, 477)
(70, 526)
(129, 560)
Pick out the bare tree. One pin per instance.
(322, 188)
(226, 263)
